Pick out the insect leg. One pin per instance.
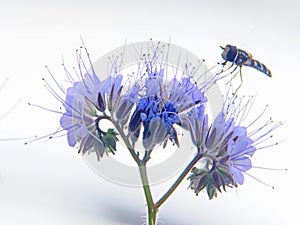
(236, 90)
(231, 79)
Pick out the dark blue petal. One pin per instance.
(135, 120)
(101, 102)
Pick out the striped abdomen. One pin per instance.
(259, 66)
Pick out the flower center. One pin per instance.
(206, 163)
(152, 107)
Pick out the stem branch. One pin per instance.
(126, 141)
(178, 181)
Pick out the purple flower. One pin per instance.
(153, 102)
(196, 121)
(89, 101)
(240, 148)
(160, 106)
(225, 149)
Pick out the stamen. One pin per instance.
(273, 169)
(79, 61)
(245, 110)
(267, 132)
(261, 140)
(259, 116)
(257, 130)
(48, 136)
(88, 55)
(260, 181)
(267, 146)
(52, 91)
(56, 96)
(82, 62)
(78, 76)
(57, 84)
(44, 108)
(15, 139)
(67, 73)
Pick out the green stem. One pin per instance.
(178, 181)
(153, 207)
(152, 210)
(147, 155)
(126, 141)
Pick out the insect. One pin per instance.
(241, 58)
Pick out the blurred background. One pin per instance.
(46, 182)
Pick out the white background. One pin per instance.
(46, 182)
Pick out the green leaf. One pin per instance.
(110, 140)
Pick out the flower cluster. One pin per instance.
(84, 104)
(225, 149)
(151, 105)
(89, 101)
(153, 102)
(225, 146)
(160, 107)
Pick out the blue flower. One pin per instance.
(160, 106)
(225, 148)
(240, 148)
(89, 101)
(83, 103)
(151, 101)
(196, 121)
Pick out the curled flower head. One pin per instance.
(226, 149)
(89, 101)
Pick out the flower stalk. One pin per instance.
(152, 209)
(178, 181)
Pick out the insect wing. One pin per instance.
(242, 58)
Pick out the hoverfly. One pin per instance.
(241, 58)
